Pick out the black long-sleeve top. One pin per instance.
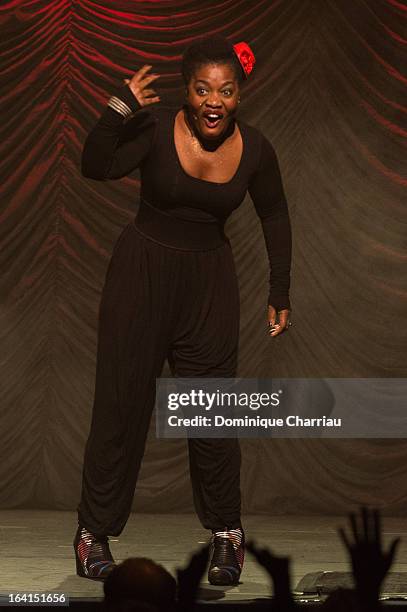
(117, 145)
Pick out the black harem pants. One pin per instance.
(170, 292)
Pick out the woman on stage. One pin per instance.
(171, 288)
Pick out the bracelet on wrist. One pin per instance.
(119, 106)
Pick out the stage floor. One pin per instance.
(37, 553)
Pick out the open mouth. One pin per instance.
(212, 120)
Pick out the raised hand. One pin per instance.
(279, 572)
(139, 86)
(189, 578)
(370, 563)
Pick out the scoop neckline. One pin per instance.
(195, 178)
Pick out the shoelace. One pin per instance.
(234, 535)
(88, 543)
(226, 554)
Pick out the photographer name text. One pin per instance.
(246, 421)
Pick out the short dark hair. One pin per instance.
(140, 579)
(214, 49)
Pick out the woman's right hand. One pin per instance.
(138, 85)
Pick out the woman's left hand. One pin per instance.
(284, 321)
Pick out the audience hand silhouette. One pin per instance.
(189, 578)
(279, 572)
(370, 563)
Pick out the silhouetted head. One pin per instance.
(140, 580)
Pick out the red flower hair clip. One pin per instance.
(245, 56)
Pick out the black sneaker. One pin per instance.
(227, 556)
(93, 557)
